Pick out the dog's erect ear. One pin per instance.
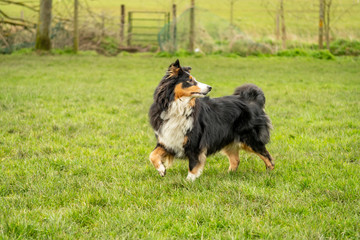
(175, 69)
(176, 63)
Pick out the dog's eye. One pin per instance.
(191, 80)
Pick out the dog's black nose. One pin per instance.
(209, 88)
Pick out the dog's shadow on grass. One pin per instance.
(213, 177)
(215, 174)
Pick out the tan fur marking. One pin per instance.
(192, 102)
(246, 148)
(232, 152)
(266, 160)
(159, 156)
(185, 92)
(185, 140)
(173, 71)
(200, 166)
(156, 156)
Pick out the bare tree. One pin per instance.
(43, 41)
(19, 4)
(331, 12)
(13, 21)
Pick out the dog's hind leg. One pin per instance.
(263, 153)
(161, 160)
(196, 165)
(232, 152)
(266, 157)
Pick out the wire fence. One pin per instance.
(100, 29)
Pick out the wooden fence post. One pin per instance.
(327, 8)
(165, 35)
(129, 29)
(231, 12)
(192, 27)
(102, 25)
(168, 26)
(122, 23)
(283, 28)
(277, 23)
(76, 27)
(321, 24)
(174, 28)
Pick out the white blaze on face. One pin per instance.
(204, 88)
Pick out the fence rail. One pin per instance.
(139, 32)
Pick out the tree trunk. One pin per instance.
(43, 41)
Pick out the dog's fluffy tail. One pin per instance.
(255, 98)
(251, 93)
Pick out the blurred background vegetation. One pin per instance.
(241, 27)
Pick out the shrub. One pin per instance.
(345, 47)
(245, 47)
(320, 54)
(23, 51)
(109, 46)
(293, 53)
(323, 54)
(163, 54)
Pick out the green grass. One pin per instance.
(75, 141)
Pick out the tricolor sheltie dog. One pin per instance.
(189, 125)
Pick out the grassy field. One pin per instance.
(75, 141)
(256, 17)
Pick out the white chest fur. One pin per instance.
(177, 122)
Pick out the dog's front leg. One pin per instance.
(161, 160)
(196, 165)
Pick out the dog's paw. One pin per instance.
(232, 169)
(162, 170)
(269, 168)
(191, 177)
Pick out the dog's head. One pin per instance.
(178, 83)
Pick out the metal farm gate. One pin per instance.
(144, 27)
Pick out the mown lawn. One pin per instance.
(75, 140)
